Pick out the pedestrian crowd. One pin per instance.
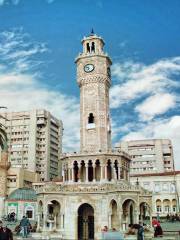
(140, 228)
(22, 229)
(173, 217)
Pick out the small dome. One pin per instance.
(23, 194)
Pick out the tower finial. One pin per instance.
(92, 31)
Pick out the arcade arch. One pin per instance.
(128, 216)
(85, 222)
(114, 224)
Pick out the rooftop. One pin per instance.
(25, 194)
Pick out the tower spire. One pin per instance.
(92, 31)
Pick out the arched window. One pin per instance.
(91, 118)
(93, 47)
(88, 48)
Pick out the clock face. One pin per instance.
(88, 67)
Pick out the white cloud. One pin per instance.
(137, 80)
(19, 51)
(151, 91)
(21, 89)
(154, 105)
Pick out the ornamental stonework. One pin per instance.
(2, 185)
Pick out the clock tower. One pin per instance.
(94, 80)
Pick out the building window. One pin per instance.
(146, 186)
(174, 208)
(157, 188)
(165, 187)
(93, 47)
(173, 188)
(158, 209)
(29, 213)
(167, 209)
(91, 118)
(88, 48)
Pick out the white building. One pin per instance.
(34, 141)
(149, 156)
(166, 191)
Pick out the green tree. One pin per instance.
(3, 138)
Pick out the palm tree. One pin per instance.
(3, 138)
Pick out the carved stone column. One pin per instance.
(79, 174)
(73, 179)
(62, 221)
(86, 166)
(105, 172)
(44, 221)
(63, 173)
(136, 216)
(55, 223)
(38, 221)
(120, 220)
(102, 171)
(115, 175)
(113, 172)
(119, 173)
(109, 220)
(69, 174)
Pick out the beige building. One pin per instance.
(34, 141)
(95, 190)
(166, 191)
(20, 178)
(149, 156)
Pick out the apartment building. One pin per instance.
(34, 141)
(149, 156)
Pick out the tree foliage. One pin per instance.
(3, 138)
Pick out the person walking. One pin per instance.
(158, 232)
(24, 224)
(5, 233)
(140, 232)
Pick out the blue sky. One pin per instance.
(39, 40)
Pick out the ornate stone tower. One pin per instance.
(95, 190)
(94, 79)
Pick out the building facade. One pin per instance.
(22, 202)
(165, 188)
(95, 190)
(34, 141)
(149, 156)
(20, 178)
